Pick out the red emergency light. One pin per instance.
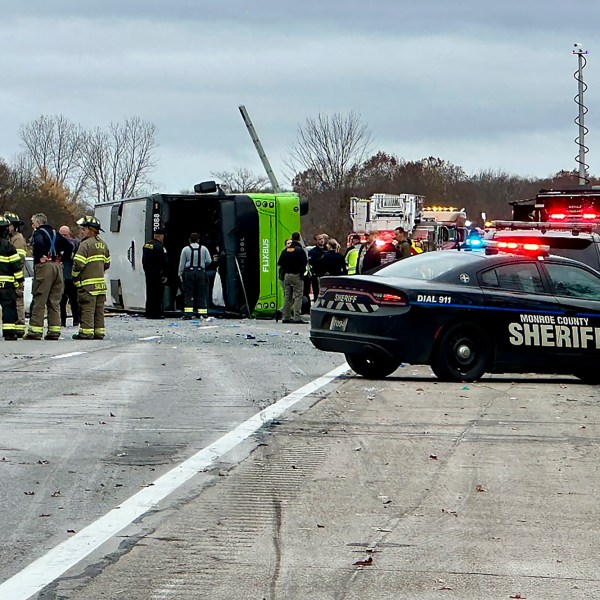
(558, 216)
(522, 248)
(590, 216)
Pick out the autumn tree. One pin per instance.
(117, 163)
(53, 149)
(327, 155)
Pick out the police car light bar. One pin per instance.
(545, 226)
(523, 248)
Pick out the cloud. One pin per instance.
(480, 85)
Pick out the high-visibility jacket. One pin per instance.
(11, 269)
(352, 259)
(89, 263)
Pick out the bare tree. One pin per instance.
(53, 147)
(118, 162)
(331, 148)
(242, 180)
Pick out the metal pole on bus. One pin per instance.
(259, 149)
(580, 140)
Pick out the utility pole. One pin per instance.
(579, 120)
(259, 149)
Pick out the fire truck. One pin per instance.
(441, 228)
(382, 213)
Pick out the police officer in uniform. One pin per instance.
(89, 263)
(49, 247)
(11, 277)
(155, 263)
(17, 239)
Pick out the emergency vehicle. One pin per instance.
(579, 204)
(249, 231)
(441, 228)
(511, 309)
(382, 213)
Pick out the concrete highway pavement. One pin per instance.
(399, 489)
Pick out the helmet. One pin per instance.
(4, 222)
(14, 219)
(89, 221)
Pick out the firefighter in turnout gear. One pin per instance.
(49, 247)
(11, 277)
(17, 239)
(89, 263)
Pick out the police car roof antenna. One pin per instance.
(579, 120)
(260, 150)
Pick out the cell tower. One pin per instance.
(580, 119)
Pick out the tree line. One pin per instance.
(63, 170)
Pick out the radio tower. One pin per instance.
(579, 120)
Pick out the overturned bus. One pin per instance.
(247, 231)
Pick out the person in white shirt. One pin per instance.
(192, 272)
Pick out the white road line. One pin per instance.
(152, 337)
(54, 563)
(68, 355)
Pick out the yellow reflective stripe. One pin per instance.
(202, 311)
(86, 331)
(36, 329)
(21, 253)
(9, 327)
(96, 258)
(92, 281)
(99, 331)
(18, 275)
(7, 278)
(12, 258)
(188, 309)
(80, 258)
(19, 327)
(53, 328)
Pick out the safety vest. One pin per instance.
(351, 260)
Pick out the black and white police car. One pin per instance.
(466, 314)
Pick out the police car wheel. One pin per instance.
(372, 366)
(589, 377)
(462, 353)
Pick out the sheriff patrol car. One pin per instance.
(510, 309)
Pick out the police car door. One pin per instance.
(578, 328)
(522, 313)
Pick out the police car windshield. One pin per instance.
(428, 265)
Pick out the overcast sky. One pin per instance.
(483, 85)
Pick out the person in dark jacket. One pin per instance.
(155, 264)
(368, 256)
(333, 262)
(315, 256)
(403, 245)
(49, 250)
(70, 291)
(292, 262)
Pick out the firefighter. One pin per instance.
(17, 239)
(155, 264)
(192, 271)
(49, 248)
(11, 278)
(89, 263)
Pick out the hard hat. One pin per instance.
(90, 221)
(4, 222)
(14, 219)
